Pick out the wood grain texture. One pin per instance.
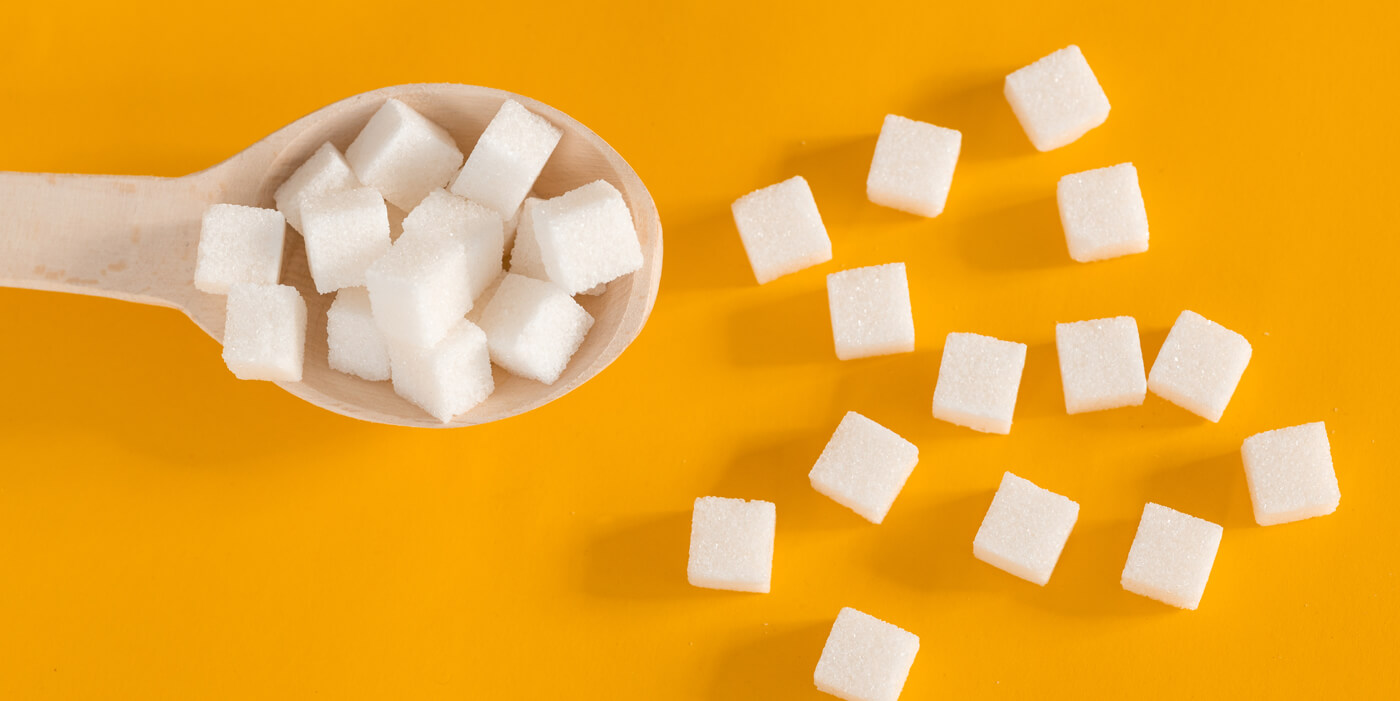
(135, 238)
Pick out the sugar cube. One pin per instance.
(865, 658)
(507, 159)
(326, 171)
(525, 254)
(1171, 556)
(510, 225)
(447, 379)
(345, 232)
(864, 466)
(781, 229)
(356, 345)
(1057, 99)
(978, 381)
(586, 237)
(1290, 475)
(533, 327)
(1101, 364)
(478, 229)
(731, 544)
(417, 289)
(403, 155)
(1102, 213)
(1025, 529)
(265, 332)
(238, 244)
(484, 301)
(1199, 366)
(913, 166)
(870, 311)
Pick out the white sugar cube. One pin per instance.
(865, 658)
(484, 301)
(1101, 364)
(586, 237)
(510, 225)
(1025, 529)
(403, 155)
(525, 253)
(477, 228)
(417, 289)
(326, 171)
(356, 345)
(864, 466)
(1171, 556)
(265, 332)
(978, 381)
(1199, 366)
(345, 232)
(781, 229)
(731, 544)
(1057, 99)
(1102, 213)
(507, 159)
(1290, 475)
(913, 166)
(238, 244)
(870, 311)
(447, 379)
(533, 327)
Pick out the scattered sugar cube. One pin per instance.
(1290, 474)
(345, 232)
(865, 658)
(525, 254)
(403, 155)
(1171, 556)
(533, 327)
(265, 332)
(326, 171)
(731, 544)
(447, 379)
(417, 289)
(870, 311)
(1101, 364)
(1199, 366)
(586, 237)
(864, 466)
(781, 229)
(978, 381)
(1057, 99)
(238, 244)
(913, 166)
(356, 345)
(477, 228)
(507, 159)
(1102, 213)
(1025, 529)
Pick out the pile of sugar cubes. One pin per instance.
(435, 308)
(865, 465)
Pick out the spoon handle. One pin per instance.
(128, 237)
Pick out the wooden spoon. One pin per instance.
(135, 238)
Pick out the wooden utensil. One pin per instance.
(134, 238)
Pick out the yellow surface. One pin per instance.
(169, 532)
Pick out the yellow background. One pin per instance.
(169, 532)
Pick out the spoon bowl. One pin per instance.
(135, 238)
